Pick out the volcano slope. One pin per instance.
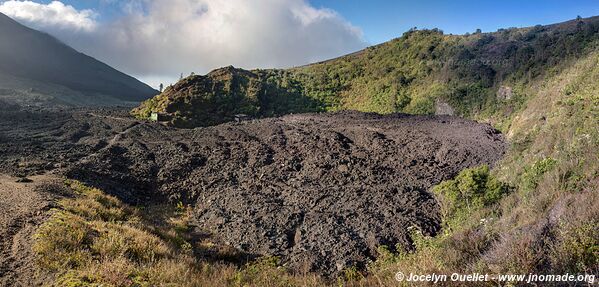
(320, 191)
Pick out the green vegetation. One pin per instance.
(532, 175)
(468, 205)
(535, 212)
(222, 94)
(408, 74)
(473, 189)
(96, 240)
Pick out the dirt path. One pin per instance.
(109, 117)
(23, 207)
(118, 136)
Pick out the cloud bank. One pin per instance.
(159, 39)
(54, 15)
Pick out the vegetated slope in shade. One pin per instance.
(36, 64)
(482, 76)
(547, 222)
(551, 222)
(320, 191)
(221, 94)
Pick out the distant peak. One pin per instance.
(5, 18)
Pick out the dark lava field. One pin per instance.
(321, 191)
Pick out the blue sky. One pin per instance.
(170, 37)
(382, 20)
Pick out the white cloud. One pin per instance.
(53, 15)
(157, 39)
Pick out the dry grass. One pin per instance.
(549, 224)
(96, 240)
(546, 224)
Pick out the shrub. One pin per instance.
(533, 174)
(472, 189)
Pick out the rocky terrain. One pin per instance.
(321, 191)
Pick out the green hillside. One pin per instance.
(480, 76)
(536, 211)
(221, 94)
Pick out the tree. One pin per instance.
(478, 31)
(161, 87)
